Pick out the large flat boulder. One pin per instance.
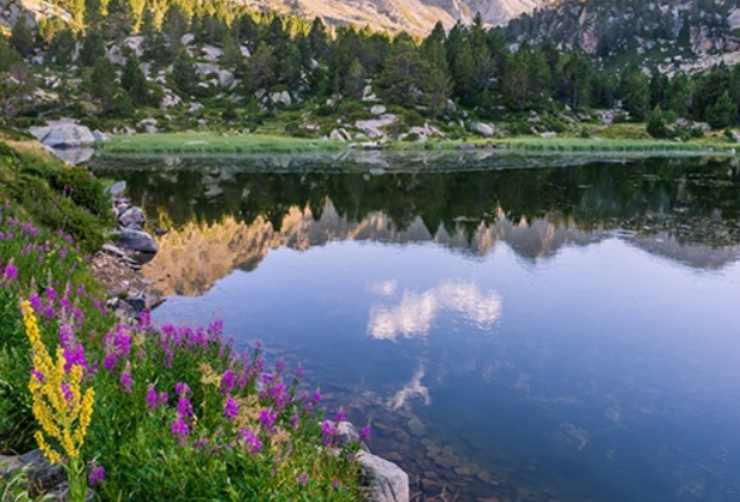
(63, 133)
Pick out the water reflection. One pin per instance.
(540, 334)
(416, 312)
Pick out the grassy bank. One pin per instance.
(138, 412)
(197, 143)
(204, 143)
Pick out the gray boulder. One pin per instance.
(386, 481)
(378, 110)
(63, 133)
(483, 129)
(117, 189)
(132, 217)
(137, 240)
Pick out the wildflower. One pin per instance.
(365, 433)
(316, 398)
(216, 327)
(152, 399)
(227, 382)
(340, 416)
(58, 402)
(179, 428)
(279, 366)
(328, 431)
(335, 484)
(268, 419)
(163, 398)
(145, 320)
(250, 440)
(302, 479)
(126, 381)
(35, 301)
(184, 407)
(231, 409)
(97, 474)
(182, 389)
(11, 272)
(295, 421)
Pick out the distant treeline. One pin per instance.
(473, 66)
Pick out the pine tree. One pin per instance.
(723, 113)
(184, 75)
(656, 125)
(62, 47)
(134, 82)
(635, 92)
(93, 48)
(21, 37)
(355, 81)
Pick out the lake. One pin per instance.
(513, 330)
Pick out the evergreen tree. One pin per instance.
(134, 82)
(184, 75)
(260, 72)
(101, 84)
(402, 74)
(93, 48)
(635, 92)
(723, 112)
(355, 81)
(656, 125)
(22, 37)
(318, 40)
(62, 47)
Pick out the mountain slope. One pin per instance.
(670, 33)
(414, 16)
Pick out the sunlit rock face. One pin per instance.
(193, 257)
(414, 16)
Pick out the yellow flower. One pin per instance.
(59, 406)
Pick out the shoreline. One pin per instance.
(197, 144)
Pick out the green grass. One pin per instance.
(621, 139)
(204, 143)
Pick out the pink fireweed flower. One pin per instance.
(152, 398)
(11, 272)
(67, 393)
(38, 375)
(302, 479)
(231, 409)
(182, 389)
(126, 381)
(295, 421)
(279, 366)
(365, 433)
(340, 416)
(216, 327)
(145, 320)
(268, 418)
(250, 440)
(184, 407)
(328, 431)
(163, 398)
(96, 475)
(179, 428)
(227, 382)
(35, 301)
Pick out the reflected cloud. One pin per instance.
(416, 312)
(384, 288)
(411, 390)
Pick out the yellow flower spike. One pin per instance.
(59, 406)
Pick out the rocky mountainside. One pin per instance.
(673, 34)
(414, 16)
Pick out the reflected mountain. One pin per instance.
(227, 216)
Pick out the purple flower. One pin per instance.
(110, 361)
(11, 272)
(179, 428)
(250, 440)
(37, 375)
(295, 421)
(335, 484)
(35, 301)
(182, 389)
(163, 398)
(231, 409)
(227, 382)
(152, 399)
(216, 328)
(340, 416)
(96, 475)
(279, 366)
(365, 433)
(328, 431)
(268, 419)
(126, 381)
(302, 479)
(184, 407)
(145, 320)
(67, 393)
(316, 398)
